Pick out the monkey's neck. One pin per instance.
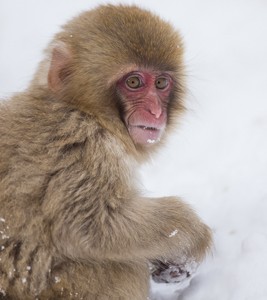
(39, 98)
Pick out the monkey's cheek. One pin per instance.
(144, 135)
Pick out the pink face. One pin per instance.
(145, 96)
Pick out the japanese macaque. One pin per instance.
(73, 223)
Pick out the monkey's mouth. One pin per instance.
(147, 128)
(145, 135)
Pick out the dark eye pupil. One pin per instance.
(133, 82)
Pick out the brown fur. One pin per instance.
(73, 223)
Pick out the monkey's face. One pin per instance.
(144, 95)
(124, 66)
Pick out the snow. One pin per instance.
(217, 159)
(57, 279)
(173, 233)
(151, 141)
(2, 292)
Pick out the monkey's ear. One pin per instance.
(59, 67)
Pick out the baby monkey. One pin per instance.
(73, 223)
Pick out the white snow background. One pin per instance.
(217, 159)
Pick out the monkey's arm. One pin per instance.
(166, 228)
(143, 228)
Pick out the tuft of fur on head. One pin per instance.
(103, 43)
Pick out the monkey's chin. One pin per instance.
(145, 135)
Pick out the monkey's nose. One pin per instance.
(155, 110)
(154, 104)
(157, 115)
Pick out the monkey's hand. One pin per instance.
(185, 234)
(179, 272)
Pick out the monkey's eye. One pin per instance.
(133, 82)
(161, 83)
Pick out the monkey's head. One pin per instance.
(125, 66)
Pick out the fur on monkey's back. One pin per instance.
(42, 140)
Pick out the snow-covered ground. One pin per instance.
(217, 160)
